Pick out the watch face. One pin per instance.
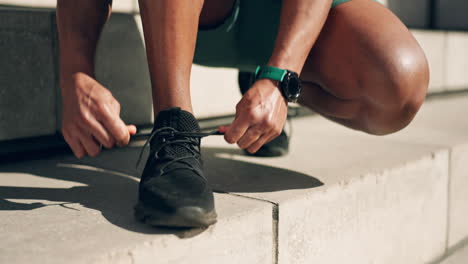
(292, 86)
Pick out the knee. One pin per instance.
(406, 83)
(394, 120)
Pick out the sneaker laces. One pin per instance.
(171, 136)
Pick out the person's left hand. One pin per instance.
(260, 117)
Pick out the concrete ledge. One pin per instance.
(458, 195)
(57, 211)
(28, 78)
(441, 125)
(376, 191)
(459, 256)
(339, 196)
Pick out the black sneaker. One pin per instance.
(278, 146)
(173, 191)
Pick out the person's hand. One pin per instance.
(91, 117)
(260, 117)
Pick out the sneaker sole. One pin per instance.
(189, 216)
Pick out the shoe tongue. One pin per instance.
(181, 121)
(178, 119)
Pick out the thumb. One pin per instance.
(132, 129)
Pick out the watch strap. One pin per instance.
(270, 72)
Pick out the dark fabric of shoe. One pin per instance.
(278, 146)
(275, 148)
(245, 80)
(173, 178)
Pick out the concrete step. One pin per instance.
(340, 196)
(459, 256)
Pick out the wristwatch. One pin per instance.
(289, 82)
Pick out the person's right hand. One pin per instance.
(91, 116)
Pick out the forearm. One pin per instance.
(300, 24)
(79, 25)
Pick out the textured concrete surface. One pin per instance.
(339, 186)
(380, 218)
(439, 123)
(363, 207)
(458, 195)
(456, 61)
(434, 45)
(343, 186)
(28, 74)
(56, 211)
(340, 196)
(458, 257)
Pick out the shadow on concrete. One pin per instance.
(228, 175)
(111, 183)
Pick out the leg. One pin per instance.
(172, 190)
(170, 28)
(366, 71)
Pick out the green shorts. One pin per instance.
(245, 39)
